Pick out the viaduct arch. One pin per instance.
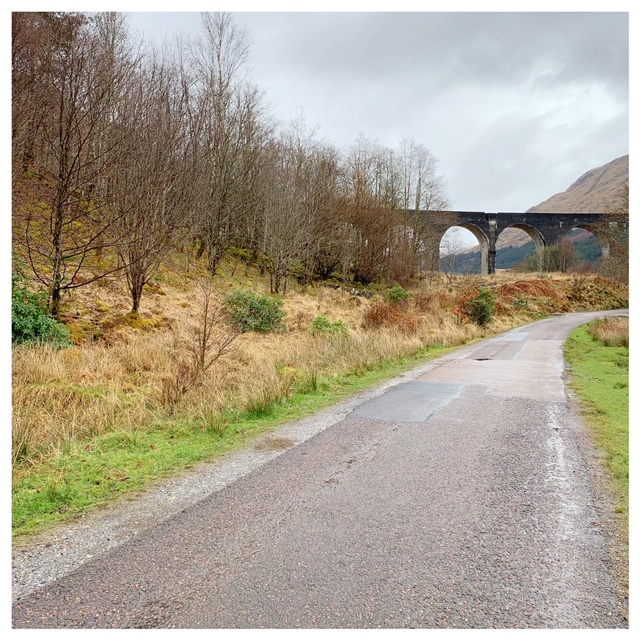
(545, 229)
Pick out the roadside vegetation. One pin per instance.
(137, 399)
(598, 359)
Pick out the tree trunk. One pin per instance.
(212, 260)
(58, 264)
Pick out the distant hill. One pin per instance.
(595, 191)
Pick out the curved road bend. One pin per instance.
(455, 497)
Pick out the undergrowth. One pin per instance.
(121, 388)
(86, 474)
(30, 320)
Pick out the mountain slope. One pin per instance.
(596, 191)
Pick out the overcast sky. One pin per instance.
(515, 106)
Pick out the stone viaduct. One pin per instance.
(545, 229)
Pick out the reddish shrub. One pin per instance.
(378, 315)
(384, 314)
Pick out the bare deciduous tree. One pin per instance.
(33, 38)
(317, 186)
(283, 232)
(213, 335)
(150, 188)
(135, 151)
(87, 64)
(450, 248)
(230, 133)
(423, 188)
(299, 183)
(370, 200)
(212, 338)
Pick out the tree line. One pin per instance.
(141, 149)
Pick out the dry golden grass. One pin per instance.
(113, 378)
(611, 332)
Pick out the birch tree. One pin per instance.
(151, 189)
(230, 133)
(423, 188)
(87, 64)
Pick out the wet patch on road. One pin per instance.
(414, 401)
(513, 336)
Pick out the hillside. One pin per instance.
(121, 407)
(595, 191)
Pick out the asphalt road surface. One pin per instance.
(455, 496)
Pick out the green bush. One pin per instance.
(482, 308)
(321, 325)
(397, 294)
(250, 311)
(30, 321)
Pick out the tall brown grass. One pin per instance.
(86, 390)
(611, 332)
(119, 381)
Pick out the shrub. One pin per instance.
(397, 294)
(388, 315)
(482, 308)
(321, 325)
(211, 340)
(250, 311)
(30, 320)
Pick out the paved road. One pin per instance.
(455, 496)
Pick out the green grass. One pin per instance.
(600, 379)
(93, 472)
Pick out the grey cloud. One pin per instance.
(449, 48)
(513, 158)
(514, 105)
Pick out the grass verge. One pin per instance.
(92, 472)
(598, 359)
(599, 367)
